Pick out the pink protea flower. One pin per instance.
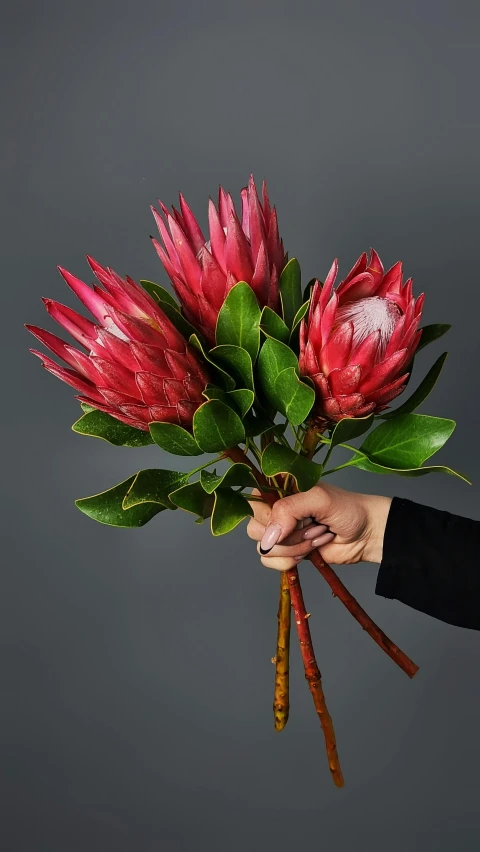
(357, 341)
(137, 366)
(203, 272)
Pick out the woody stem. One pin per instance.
(312, 672)
(281, 697)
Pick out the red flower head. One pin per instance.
(137, 366)
(203, 272)
(358, 341)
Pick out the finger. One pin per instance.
(304, 534)
(261, 510)
(278, 563)
(302, 549)
(322, 540)
(255, 529)
(334, 554)
(287, 512)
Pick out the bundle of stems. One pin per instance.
(291, 599)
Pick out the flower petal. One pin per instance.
(116, 376)
(365, 355)
(54, 343)
(382, 373)
(83, 330)
(217, 236)
(70, 377)
(237, 251)
(213, 281)
(336, 352)
(152, 388)
(94, 303)
(189, 263)
(151, 359)
(191, 225)
(344, 380)
(163, 414)
(392, 281)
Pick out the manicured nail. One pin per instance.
(270, 538)
(314, 532)
(298, 558)
(323, 539)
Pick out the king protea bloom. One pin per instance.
(204, 271)
(136, 365)
(357, 341)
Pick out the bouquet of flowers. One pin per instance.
(260, 377)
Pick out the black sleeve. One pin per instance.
(431, 563)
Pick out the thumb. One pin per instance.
(287, 512)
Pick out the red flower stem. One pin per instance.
(281, 697)
(339, 590)
(312, 672)
(281, 700)
(313, 676)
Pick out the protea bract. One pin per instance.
(137, 367)
(357, 341)
(204, 271)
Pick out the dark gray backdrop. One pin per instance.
(136, 678)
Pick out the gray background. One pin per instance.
(136, 676)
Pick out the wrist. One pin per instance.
(377, 509)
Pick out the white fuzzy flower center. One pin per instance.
(369, 315)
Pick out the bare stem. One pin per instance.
(313, 676)
(281, 701)
(312, 671)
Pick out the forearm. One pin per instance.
(430, 562)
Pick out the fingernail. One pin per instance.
(324, 539)
(270, 538)
(315, 531)
(298, 558)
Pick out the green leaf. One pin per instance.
(431, 333)
(290, 290)
(217, 427)
(154, 486)
(294, 398)
(371, 467)
(273, 359)
(230, 508)
(97, 424)
(86, 408)
(174, 439)
(238, 320)
(237, 474)
(106, 507)
(193, 498)
(277, 458)
(407, 441)
(159, 293)
(295, 333)
(422, 391)
(243, 399)
(236, 362)
(259, 425)
(240, 400)
(273, 326)
(222, 378)
(350, 428)
(300, 314)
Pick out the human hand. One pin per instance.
(345, 527)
